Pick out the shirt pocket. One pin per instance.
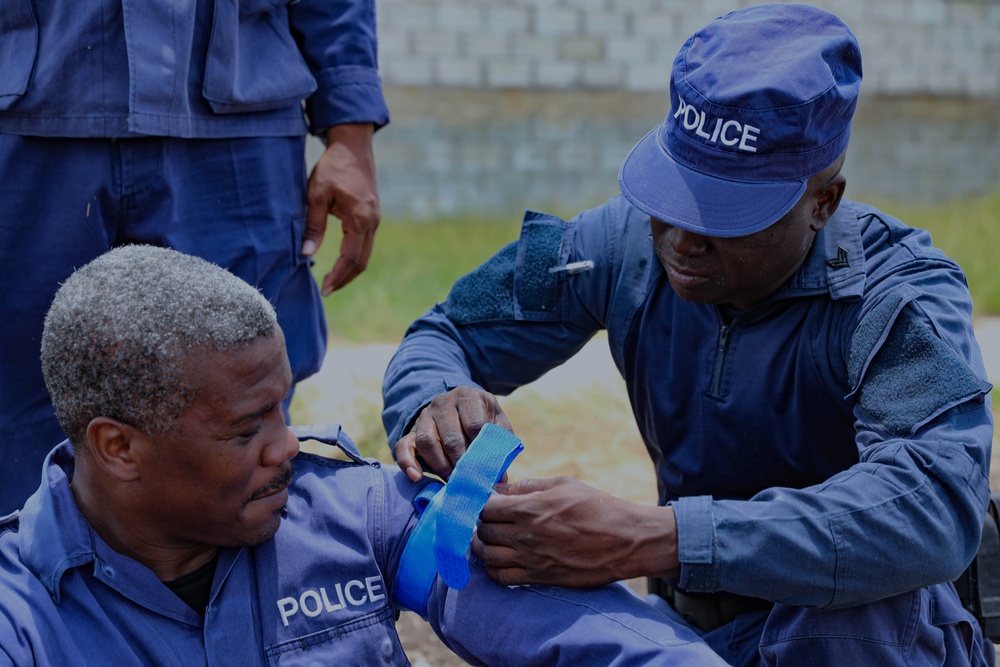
(18, 49)
(253, 63)
(368, 640)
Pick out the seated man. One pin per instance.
(179, 525)
(802, 369)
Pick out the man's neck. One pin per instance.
(728, 313)
(167, 561)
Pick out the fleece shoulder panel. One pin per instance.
(902, 373)
(516, 283)
(487, 293)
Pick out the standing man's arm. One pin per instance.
(339, 43)
(343, 184)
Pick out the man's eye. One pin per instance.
(249, 434)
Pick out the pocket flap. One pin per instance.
(18, 49)
(253, 63)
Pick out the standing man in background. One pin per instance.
(177, 123)
(802, 368)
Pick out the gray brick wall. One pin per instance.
(941, 47)
(502, 105)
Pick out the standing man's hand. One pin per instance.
(443, 430)
(562, 532)
(343, 183)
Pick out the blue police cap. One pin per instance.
(760, 100)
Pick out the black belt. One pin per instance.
(706, 611)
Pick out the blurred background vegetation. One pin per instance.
(415, 263)
(412, 267)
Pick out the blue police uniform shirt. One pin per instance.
(850, 408)
(319, 592)
(187, 68)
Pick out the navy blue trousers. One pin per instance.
(239, 203)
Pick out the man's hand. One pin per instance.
(343, 183)
(562, 532)
(444, 429)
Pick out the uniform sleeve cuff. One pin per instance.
(349, 94)
(696, 547)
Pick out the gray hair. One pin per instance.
(119, 327)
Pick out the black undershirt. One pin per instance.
(728, 313)
(195, 587)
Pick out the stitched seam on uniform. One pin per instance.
(332, 633)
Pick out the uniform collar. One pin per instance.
(54, 535)
(836, 262)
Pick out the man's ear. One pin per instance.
(827, 201)
(113, 446)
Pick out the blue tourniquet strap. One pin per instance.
(417, 570)
(465, 495)
(452, 512)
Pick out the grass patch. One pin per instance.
(413, 266)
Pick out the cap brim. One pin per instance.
(664, 189)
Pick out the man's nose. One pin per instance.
(284, 447)
(687, 243)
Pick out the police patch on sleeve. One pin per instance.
(902, 373)
(516, 283)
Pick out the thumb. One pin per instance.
(526, 486)
(316, 218)
(406, 457)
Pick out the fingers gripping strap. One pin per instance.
(465, 496)
(426, 555)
